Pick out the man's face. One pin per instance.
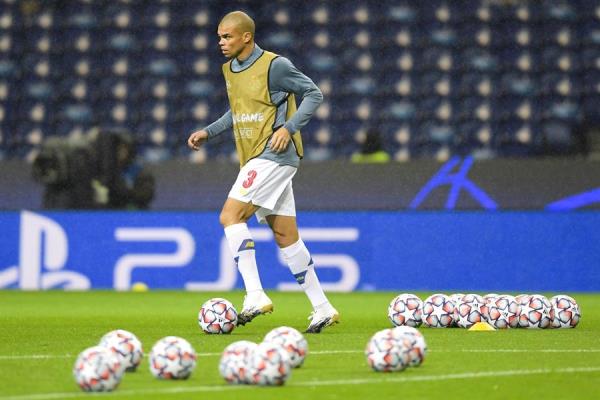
(231, 40)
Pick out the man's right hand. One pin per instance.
(196, 139)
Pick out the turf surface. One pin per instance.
(41, 334)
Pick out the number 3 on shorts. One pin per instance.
(248, 182)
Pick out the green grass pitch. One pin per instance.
(41, 334)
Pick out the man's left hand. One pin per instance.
(280, 140)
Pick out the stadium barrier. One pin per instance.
(459, 183)
(467, 251)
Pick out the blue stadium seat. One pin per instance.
(357, 84)
(557, 107)
(521, 109)
(40, 90)
(437, 58)
(475, 109)
(471, 84)
(82, 18)
(474, 138)
(518, 84)
(560, 11)
(428, 84)
(404, 12)
(480, 60)
(560, 84)
(515, 139)
(556, 137)
(402, 110)
(555, 58)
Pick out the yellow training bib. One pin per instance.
(252, 110)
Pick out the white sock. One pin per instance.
(241, 245)
(301, 264)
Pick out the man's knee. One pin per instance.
(226, 219)
(235, 213)
(285, 230)
(285, 237)
(232, 217)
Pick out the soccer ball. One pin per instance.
(418, 347)
(126, 345)
(269, 365)
(469, 310)
(386, 352)
(438, 311)
(217, 316)
(536, 312)
(292, 341)
(566, 311)
(523, 300)
(520, 298)
(406, 309)
(233, 365)
(98, 369)
(172, 357)
(503, 312)
(456, 297)
(487, 298)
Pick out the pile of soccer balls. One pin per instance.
(500, 311)
(268, 363)
(100, 368)
(396, 349)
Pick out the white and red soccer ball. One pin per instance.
(503, 312)
(438, 311)
(520, 297)
(292, 341)
(269, 365)
(469, 310)
(487, 298)
(172, 357)
(566, 313)
(98, 369)
(456, 297)
(387, 352)
(536, 312)
(235, 361)
(126, 345)
(417, 348)
(217, 316)
(523, 300)
(405, 309)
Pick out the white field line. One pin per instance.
(327, 352)
(400, 378)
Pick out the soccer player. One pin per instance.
(266, 124)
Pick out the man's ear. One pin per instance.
(247, 37)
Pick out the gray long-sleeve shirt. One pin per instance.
(284, 78)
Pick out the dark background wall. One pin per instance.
(493, 184)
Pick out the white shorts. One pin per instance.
(268, 185)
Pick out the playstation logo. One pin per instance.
(43, 253)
